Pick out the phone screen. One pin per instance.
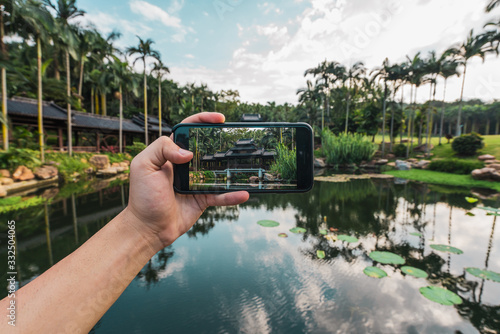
(242, 158)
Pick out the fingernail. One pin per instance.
(184, 152)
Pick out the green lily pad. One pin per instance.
(470, 214)
(416, 234)
(414, 272)
(347, 238)
(440, 295)
(374, 272)
(320, 254)
(323, 232)
(447, 249)
(487, 274)
(268, 223)
(283, 235)
(493, 214)
(386, 257)
(486, 208)
(298, 230)
(471, 199)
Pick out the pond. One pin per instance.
(229, 274)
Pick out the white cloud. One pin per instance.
(189, 56)
(362, 30)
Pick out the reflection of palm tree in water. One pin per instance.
(486, 262)
(150, 273)
(449, 237)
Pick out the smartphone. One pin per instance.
(256, 157)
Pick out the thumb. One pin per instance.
(162, 150)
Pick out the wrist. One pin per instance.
(147, 236)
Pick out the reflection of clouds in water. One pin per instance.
(254, 318)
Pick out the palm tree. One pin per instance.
(432, 68)
(352, 74)
(473, 46)
(144, 50)
(415, 77)
(66, 10)
(37, 21)
(160, 69)
(3, 49)
(383, 72)
(449, 67)
(121, 74)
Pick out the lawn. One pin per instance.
(443, 178)
(491, 146)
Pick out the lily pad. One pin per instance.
(440, 295)
(416, 234)
(470, 214)
(298, 230)
(487, 274)
(486, 208)
(493, 214)
(447, 249)
(268, 223)
(323, 232)
(471, 199)
(320, 254)
(374, 272)
(347, 238)
(414, 272)
(283, 235)
(386, 257)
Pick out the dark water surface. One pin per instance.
(228, 274)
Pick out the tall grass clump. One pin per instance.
(346, 149)
(285, 162)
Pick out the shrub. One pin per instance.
(400, 150)
(347, 148)
(285, 163)
(455, 166)
(467, 144)
(15, 157)
(135, 149)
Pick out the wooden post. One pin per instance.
(60, 138)
(98, 142)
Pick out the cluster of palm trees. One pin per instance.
(356, 88)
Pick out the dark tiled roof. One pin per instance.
(153, 123)
(103, 123)
(207, 157)
(29, 108)
(251, 118)
(245, 141)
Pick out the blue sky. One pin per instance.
(262, 48)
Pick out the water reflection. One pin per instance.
(228, 274)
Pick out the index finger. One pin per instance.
(206, 117)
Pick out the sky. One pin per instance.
(262, 48)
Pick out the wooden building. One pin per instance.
(91, 132)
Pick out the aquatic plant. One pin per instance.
(347, 148)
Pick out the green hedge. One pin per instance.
(347, 148)
(455, 166)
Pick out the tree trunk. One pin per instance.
(383, 120)
(40, 106)
(3, 49)
(391, 136)
(80, 84)
(409, 125)
(402, 114)
(57, 74)
(461, 101)
(487, 130)
(474, 125)
(146, 138)
(159, 103)
(92, 100)
(465, 127)
(497, 126)
(68, 95)
(442, 111)
(96, 98)
(120, 134)
(347, 108)
(103, 104)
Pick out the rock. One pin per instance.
(4, 173)
(423, 164)
(3, 192)
(402, 165)
(6, 181)
(483, 173)
(412, 160)
(124, 164)
(486, 157)
(268, 177)
(100, 161)
(318, 163)
(107, 172)
(253, 179)
(392, 164)
(46, 172)
(420, 156)
(115, 164)
(381, 162)
(122, 169)
(489, 162)
(23, 173)
(495, 166)
(89, 170)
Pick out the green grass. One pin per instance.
(491, 146)
(443, 178)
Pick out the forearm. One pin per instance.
(75, 293)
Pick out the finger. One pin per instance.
(227, 199)
(206, 117)
(162, 150)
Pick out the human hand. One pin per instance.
(155, 210)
